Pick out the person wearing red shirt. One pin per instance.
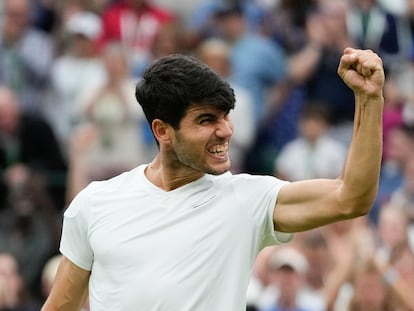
(134, 23)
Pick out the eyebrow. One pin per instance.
(208, 114)
(205, 115)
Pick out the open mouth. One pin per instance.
(219, 150)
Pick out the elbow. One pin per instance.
(358, 205)
(357, 210)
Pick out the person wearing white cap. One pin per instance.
(288, 258)
(287, 289)
(86, 24)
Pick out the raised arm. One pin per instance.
(308, 204)
(70, 288)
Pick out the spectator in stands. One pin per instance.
(74, 73)
(11, 285)
(369, 291)
(288, 267)
(201, 23)
(403, 196)
(350, 243)
(26, 56)
(393, 109)
(134, 23)
(44, 15)
(314, 247)
(28, 144)
(328, 36)
(399, 275)
(257, 63)
(372, 27)
(314, 154)
(312, 76)
(392, 261)
(400, 148)
(109, 141)
(169, 39)
(29, 226)
(286, 24)
(260, 278)
(392, 232)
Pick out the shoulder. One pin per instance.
(105, 190)
(247, 182)
(36, 36)
(124, 182)
(127, 181)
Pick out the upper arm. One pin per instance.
(307, 204)
(70, 288)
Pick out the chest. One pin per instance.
(166, 233)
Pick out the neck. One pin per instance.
(169, 176)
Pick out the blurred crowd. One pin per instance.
(68, 116)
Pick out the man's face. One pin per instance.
(203, 140)
(17, 18)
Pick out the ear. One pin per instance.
(162, 131)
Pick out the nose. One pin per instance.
(224, 128)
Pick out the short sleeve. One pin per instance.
(74, 242)
(272, 236)
(259, 194)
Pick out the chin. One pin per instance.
(218, 170)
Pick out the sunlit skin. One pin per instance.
(199, 146)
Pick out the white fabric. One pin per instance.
(192, 248)
(300, 160)
(71, 78)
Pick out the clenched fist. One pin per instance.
(362, 71)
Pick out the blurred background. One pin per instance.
(68, 116)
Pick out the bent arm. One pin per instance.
(308, 204)
(70, 288)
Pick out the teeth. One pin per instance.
(219, 149)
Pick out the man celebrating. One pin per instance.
(182, 232)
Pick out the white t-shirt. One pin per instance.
(191, 248)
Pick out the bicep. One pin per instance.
(70, 288)
(307, 204)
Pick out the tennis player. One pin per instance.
(182, 233)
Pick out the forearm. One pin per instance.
(64, 305)
(335, 280)
(360, 175)
(70, 288)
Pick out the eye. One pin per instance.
(206, 120)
